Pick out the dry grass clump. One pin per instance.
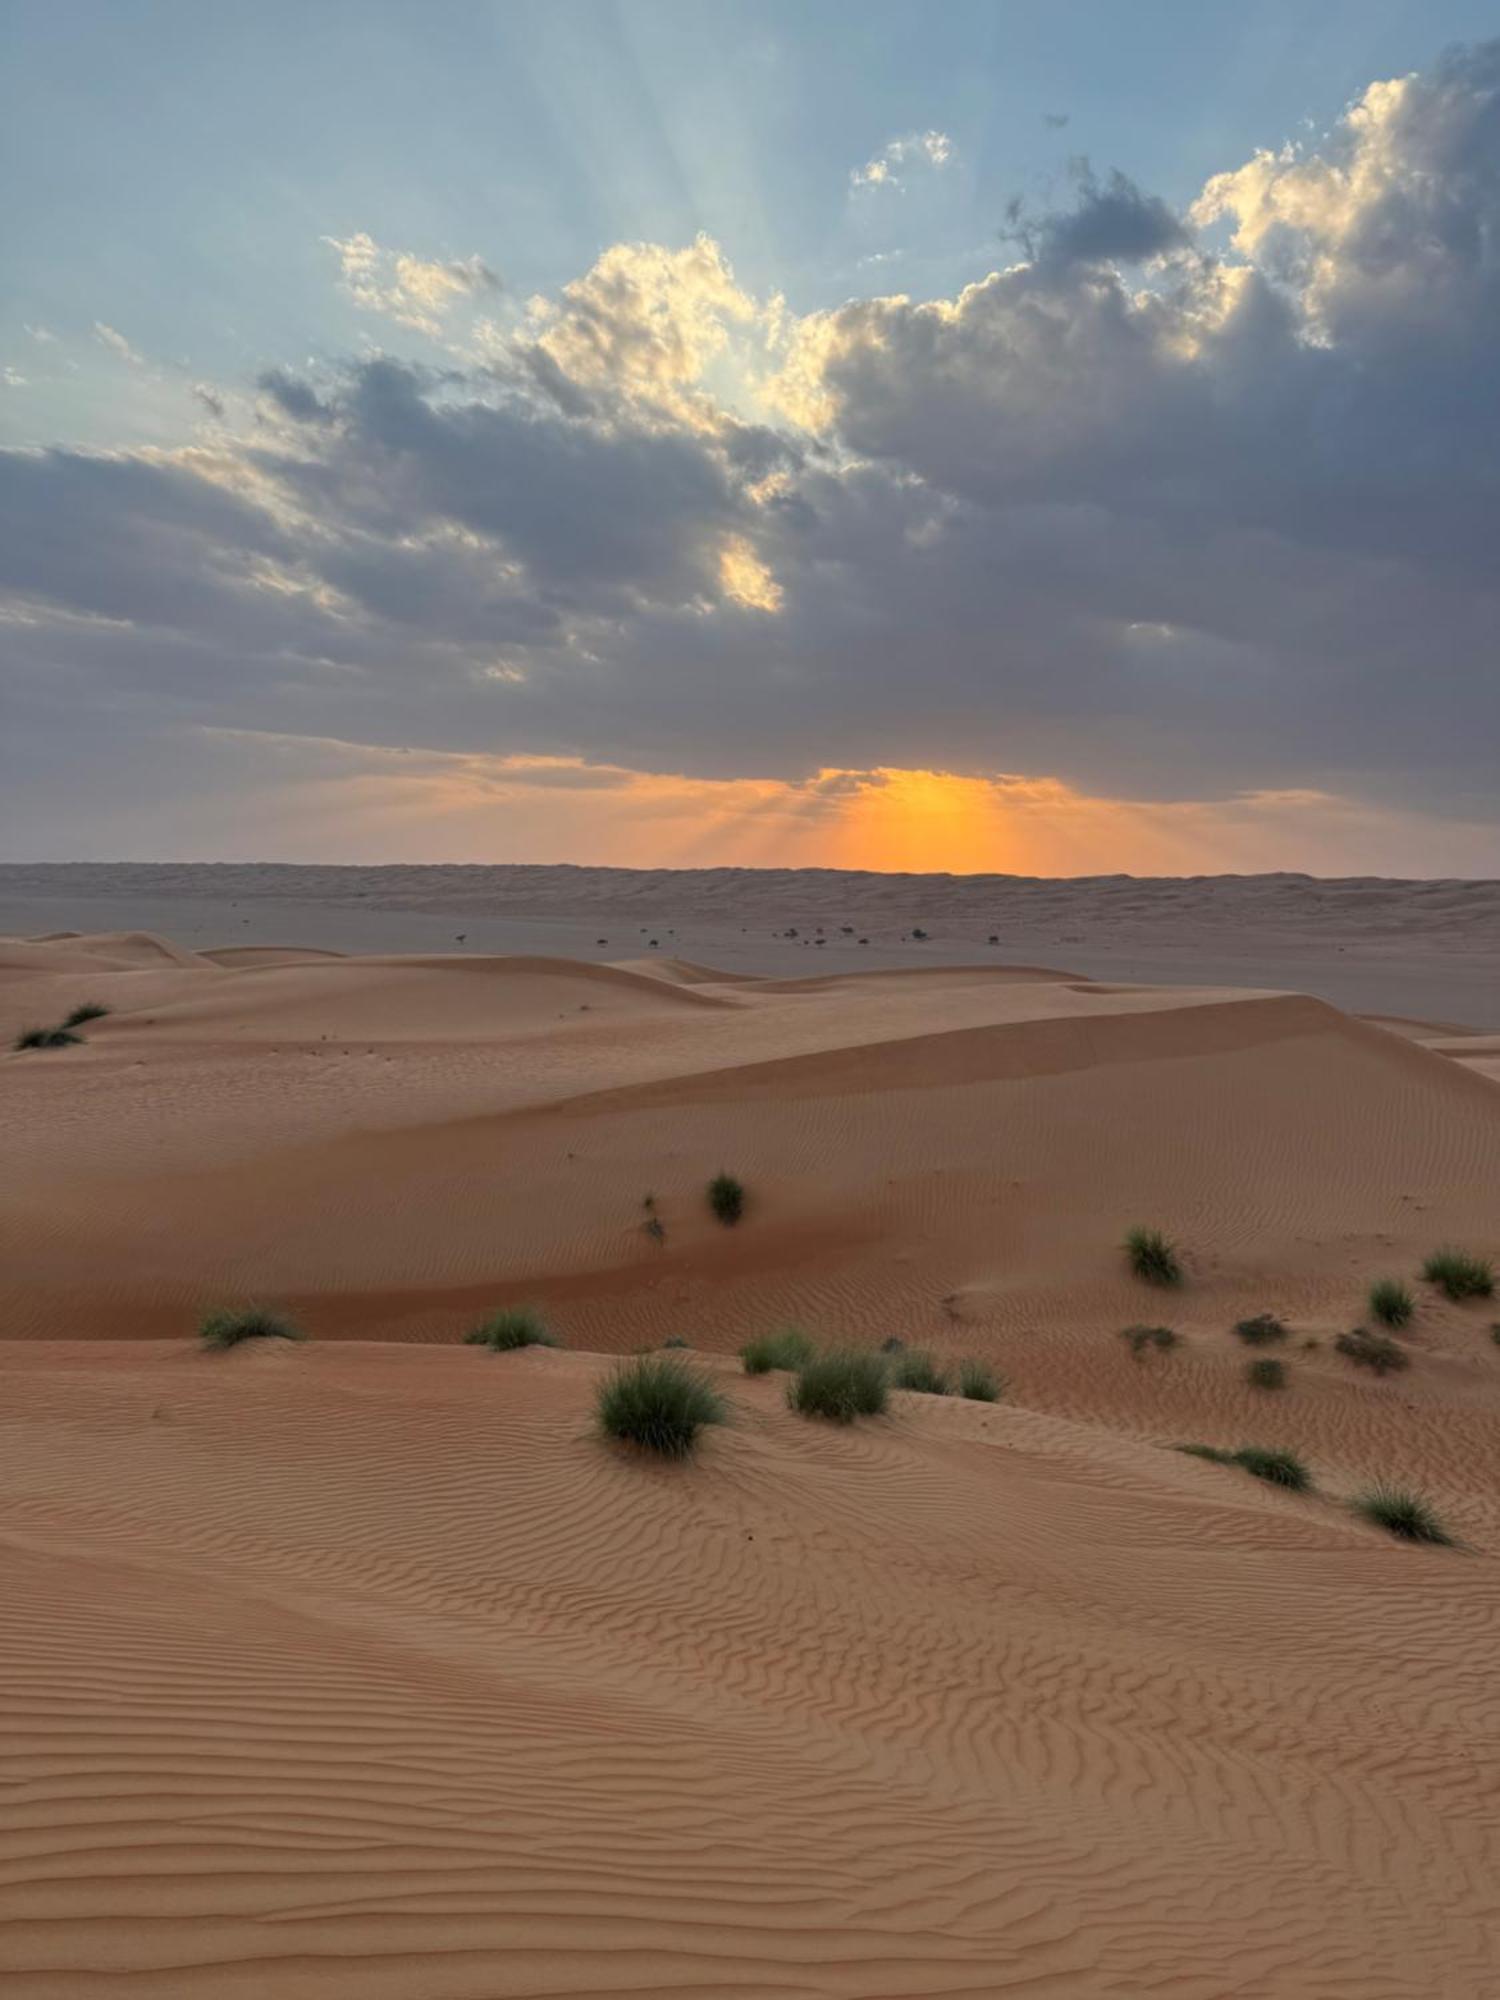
(86, 1010)
(1372, 1350)
(912, 1369)
(1401, 1513)
(1153, 1258)
(1391, 1303)
(1141, 1339)
(219, 1331)
(515, 1326)
(1266, 1373)
(46, 1038)
(840, 1386)
(660, 1404)
(726, 1197)
(1277, 1468)
(979, 1382)
(1459, 1276)
(1261, 1330)
(788, 1347)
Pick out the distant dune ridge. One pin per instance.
(362, 1669)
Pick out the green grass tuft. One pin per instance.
(87, 1010)
(978, 1381)
(1266, 1373)
(1372, 1350)
(1261, 1330)
(789, 1347)
(514, 1326)
(840, 1386)
(660, 1404)
(1400, 1513)
(220, 1331)
(1459, 1276)
(46, 1038)
(726, 1197)
(1141, 1338)
(1152, 1258)
(1391, 1303)
(1278, 1468)
(918, 1371)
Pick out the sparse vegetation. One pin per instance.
(1391, 1303)
(892, 1344)
(46, 1038)
(655, 1228)
(1372, 1350)
(788, 1347)
(918, 1371)
(1152, 1258)
(726, 1197)
(677, 1341)
(1278, 1468)
(660, 1404)
(1459, 1276)
(1140, 1339)
(1211, 1452)
(1401, 1513)
(86, 1010)
(1266, 1373)
(514, 1326)
(978, 1381)
(840, 1386)
(1261, 1330)
(220, 1331)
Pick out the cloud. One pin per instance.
(414, 291)
(892, 165)
(1215, 545)
(43, 335)
(12, 377)
(210, 398)
(109, 337)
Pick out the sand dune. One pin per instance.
(363, 1668)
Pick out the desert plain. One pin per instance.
(364, 1668)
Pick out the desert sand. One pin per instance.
(365, 1668)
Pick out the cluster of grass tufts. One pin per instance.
(220, 1331)
(1261, 1330)
(841, 1385)
(913, 1369)
(1400, 1513)
(516, 1326)
(979, 1382)
(1266, 1373)
(86, 1010)
(726, 1197)
(1152, 1257)
(1391, 1303)
(1459, 1276)
(1140, 1339)
(789, 1347)
(660, 1404)
(46, 1038)
(1277, 1468)
(1372, 1350)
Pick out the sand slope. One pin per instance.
(368, 1672)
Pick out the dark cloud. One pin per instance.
(1111, 221)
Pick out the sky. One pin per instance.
(1049, 438)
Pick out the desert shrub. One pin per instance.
(1141, 1338)
(46, 1038)
(1278, 1468)
(1266, 1373)
(1211, 1452)
(1152, 1258)
(918, 1371)
(86, 1010)
(1372, 1350)
(658, 1403)
(726, 1197)
(787, 1347)
(1460, 1276)
(677, 1341)
(219, 1331)
(1261, 1330)
(1400, 1513)
(515, 1326)
(1391, 1303)
(840, 1386)
(892, 1344)
(979, 1382)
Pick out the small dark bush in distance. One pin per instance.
(1261, 1330)
(840, 1386)
(46, 1038)
(979, 1382)
(658, 1403)
(677, 1341)
(1140, 1338)
(1152, 1258)
(86, 1010)
(1391, 1303)
(788, 1347)
(918, 1371)
(1400, 1513)
(726, 1197)
(516, 1326)
(1278, 1468)
(222, 1330)
(1460, 1276)
(892, 1344)
(1266, 1373)
(1372, 1350)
